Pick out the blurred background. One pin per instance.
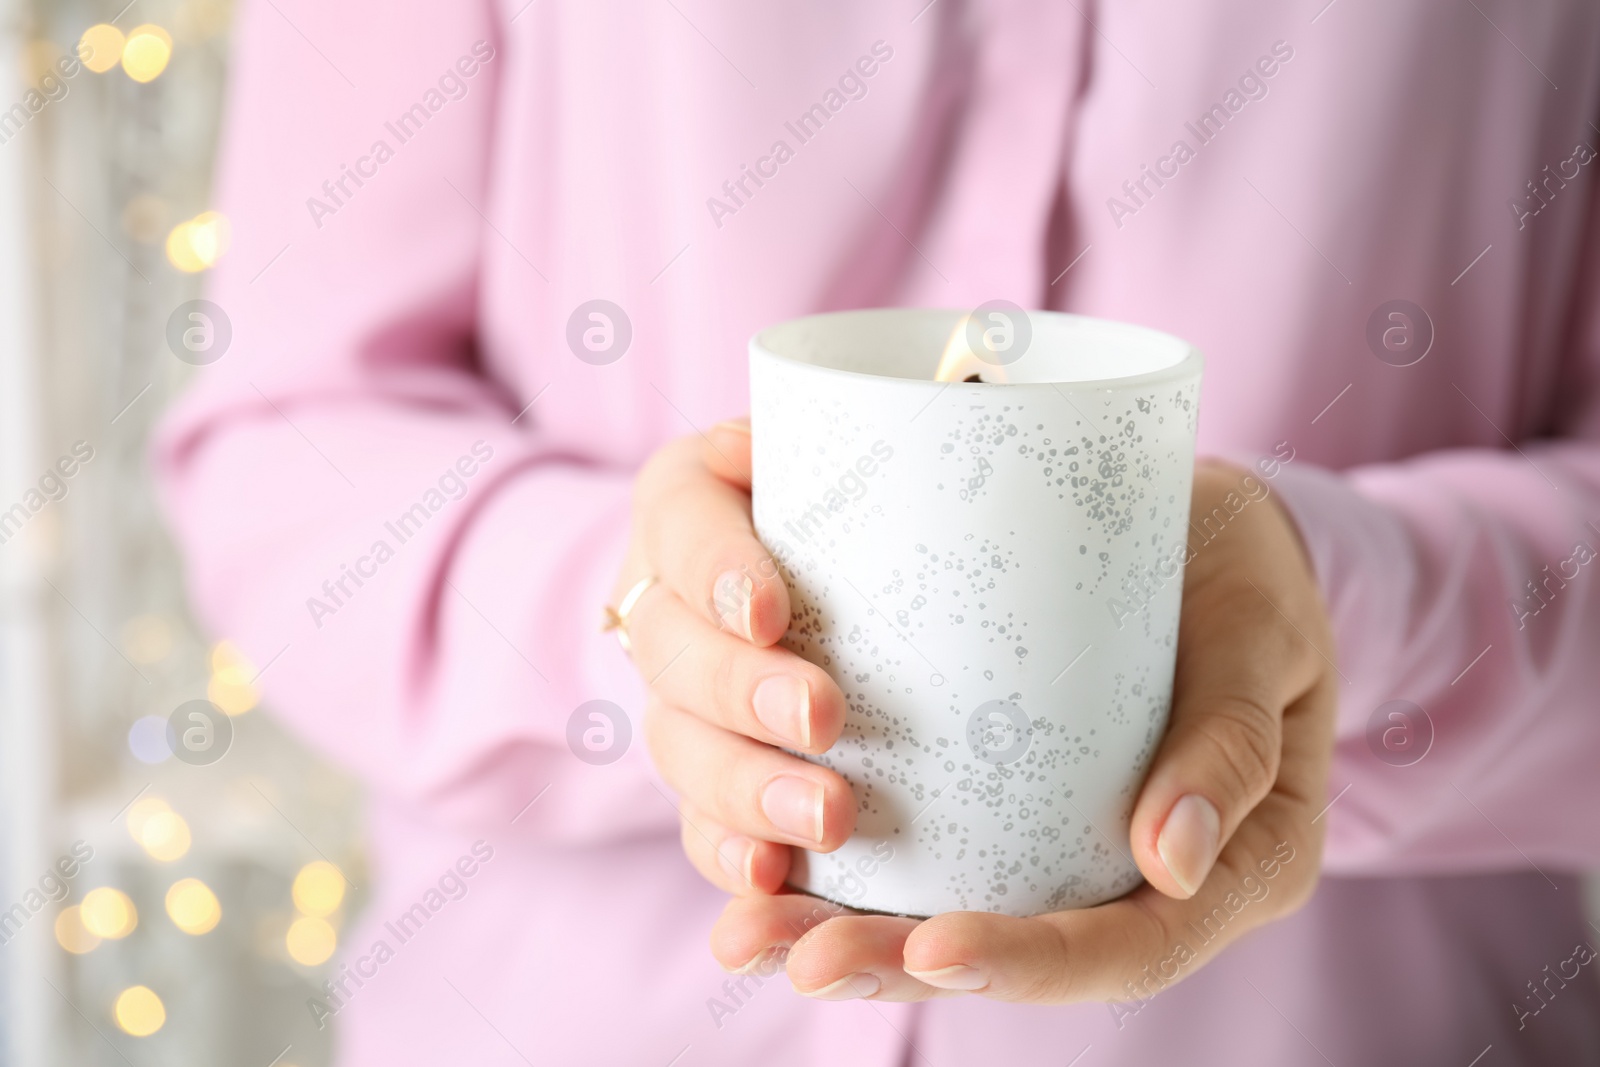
(152, 910)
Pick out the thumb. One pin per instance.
(1241, 663)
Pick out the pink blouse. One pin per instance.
(402, 485)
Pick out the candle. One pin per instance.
(991, 570)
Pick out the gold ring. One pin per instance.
(617, 617)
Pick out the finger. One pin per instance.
(696, 535)
(1223, 747)
(731, 861)
(1131, 948)
(753, 930)
(751, 788)
(858, 958)
(1134, 947)
(727, 451)
(769, 694)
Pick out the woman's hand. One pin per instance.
(1226, 829)
(721, 697)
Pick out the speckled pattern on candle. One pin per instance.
(977, 563)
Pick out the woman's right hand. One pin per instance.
(724, 701)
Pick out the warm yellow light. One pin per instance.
(311, 940)
(108, 913)
(165, 836)
(230, 687)
(146, 52)
(318, 888)
(100, 47)
(193, 907)
(227, 654)
(140, 814)
(180, 249)
(230, 690)
(139, 1011)
(209, 234)
(195, 245)
(71, 933)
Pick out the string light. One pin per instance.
(100, 47)
(146, 52)
(71, 933)
(196, 244)
(157, 829)
(311, 941)
(165, 836)
(141, 812)
(108, 913)
(193, 907)
(318, 889)
(230, 687)
(139, 1011)
(226, 654)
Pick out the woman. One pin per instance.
(494, 269)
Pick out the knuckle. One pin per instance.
(1150, 937)
(1152, 927)
(1249, 740)
(1052, 982)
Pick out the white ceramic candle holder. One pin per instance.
(992, 573)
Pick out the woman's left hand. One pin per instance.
(1227, 829)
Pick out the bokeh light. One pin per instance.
(311, 940)
(318, 889)
(196, 244)
(230, 688)
(100, 47)
(140, 812)
(146, 52)
(147, 739)
(165, 836)
(227, 654)
(108, 913)
(193, 907)
(71, 934)
(139, 1011)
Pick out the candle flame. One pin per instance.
(960, 363)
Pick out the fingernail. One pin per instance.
(736, 852)
(783, 705)
(795, 806)
(1189, 840)
(854, 987)
(767, 962)
(732, 595)
(955, 976)
(736, 427)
